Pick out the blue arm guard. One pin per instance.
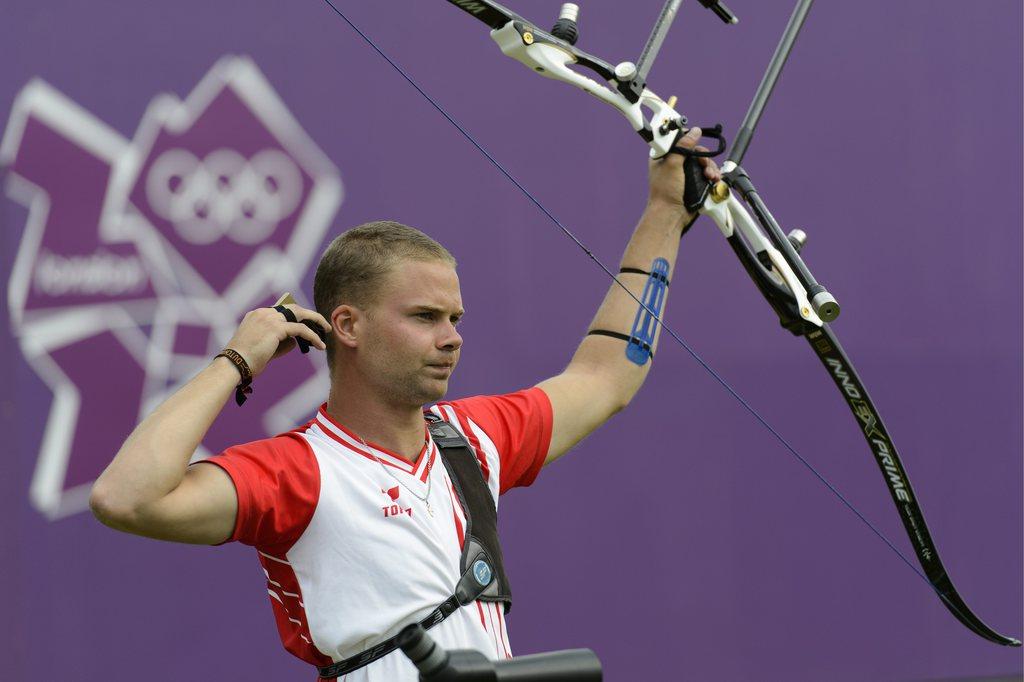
(641, 337)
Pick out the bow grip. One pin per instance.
(696, 187)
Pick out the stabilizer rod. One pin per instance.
(771, 76)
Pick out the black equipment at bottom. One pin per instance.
(465, 665)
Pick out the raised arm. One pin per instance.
(600, 380)
(149, 489)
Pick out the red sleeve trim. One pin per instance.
(545, 420)
(277, 483)
(519, 424)
(240, 491)
(541, 455)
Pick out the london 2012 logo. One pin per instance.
(138, 257)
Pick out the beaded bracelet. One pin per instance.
(244, 387)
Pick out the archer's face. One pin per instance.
(409, 342)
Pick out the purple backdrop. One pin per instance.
(681, 541)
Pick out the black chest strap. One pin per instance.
(483, 573)
(478, 504)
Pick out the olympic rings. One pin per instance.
(224, 194)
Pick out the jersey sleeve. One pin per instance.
(519, 426)
(277, 481)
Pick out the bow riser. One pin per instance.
(734, 222)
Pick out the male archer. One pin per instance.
(378, 513)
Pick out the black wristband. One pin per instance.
(623, 337)
(244, 387)
(638, 271)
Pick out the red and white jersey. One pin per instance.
(350, 550)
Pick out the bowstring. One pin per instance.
(721, 380)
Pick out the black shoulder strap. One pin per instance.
(481, 515)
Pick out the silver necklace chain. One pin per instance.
(426, 498)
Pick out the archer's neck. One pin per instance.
(397, 428)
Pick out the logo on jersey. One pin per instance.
(394, 509)
(139, 256)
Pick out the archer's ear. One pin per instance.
(345, 319)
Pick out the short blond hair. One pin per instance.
(352, 268)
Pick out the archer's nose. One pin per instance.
(451, 340)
